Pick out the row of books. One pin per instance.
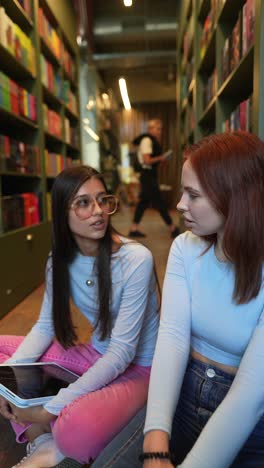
(69, 64)
(208, 27)
(49, 34)
(71, 134)
(55, 43)
(50, 77)
(26, 5)
(20, 210)
(58, 86)
(240, 40)
(17, 42)
(210, 88)
(55, 163)
(16, 99)
(52, 122)
(240, 118)
(17, 156)
(69, 97)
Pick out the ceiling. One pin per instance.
(137, 43)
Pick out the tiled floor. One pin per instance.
(21, 318)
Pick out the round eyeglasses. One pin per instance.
(83, 205)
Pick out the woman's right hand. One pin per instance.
(5, 409)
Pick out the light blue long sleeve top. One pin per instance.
(134, 311)
(198, 311)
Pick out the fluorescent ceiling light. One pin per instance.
(124, 93)
(108, 29)
(128, 2)
(92, 134)
(161, 26)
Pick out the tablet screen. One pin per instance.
(35, 381)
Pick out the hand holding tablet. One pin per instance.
(33, 384)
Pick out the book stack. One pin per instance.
(240, 118)
(52, 122)
(16, 99)
(50, 78)
(54, 163)
(68, 63)
(240, 40)
(17, 42)
(49, 34)
(16, 156)
(210, 88)
(20, 210)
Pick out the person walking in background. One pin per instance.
(206, 395)
(111, 280)
(150, 156)
(110, 156)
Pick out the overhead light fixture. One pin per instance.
(128, 3)
(90, 132)
(124, 93)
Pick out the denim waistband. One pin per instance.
(206, 370)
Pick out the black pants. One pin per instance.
(151, 196)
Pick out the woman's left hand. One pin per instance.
(33, 414)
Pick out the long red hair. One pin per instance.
(230, 169)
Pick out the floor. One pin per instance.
(20, 320)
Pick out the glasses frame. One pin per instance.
(94, 200)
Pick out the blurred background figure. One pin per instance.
(150, 155)
(110, 158)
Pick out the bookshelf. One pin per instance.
(39, 133)
(220, 74)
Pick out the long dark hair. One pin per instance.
(230, 169)
(64, 249)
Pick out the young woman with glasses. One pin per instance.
(111, 280)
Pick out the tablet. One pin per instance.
(33, 384)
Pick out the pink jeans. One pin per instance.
(89, 423)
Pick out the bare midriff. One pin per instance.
(229, 369)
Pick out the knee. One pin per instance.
(78, 432)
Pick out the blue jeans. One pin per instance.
(201, 393)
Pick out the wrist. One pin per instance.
(158, 457)
(156, 441)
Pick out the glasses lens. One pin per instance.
(83, 206)
(108, 203)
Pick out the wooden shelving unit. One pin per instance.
(24, 245)
(204, 110)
